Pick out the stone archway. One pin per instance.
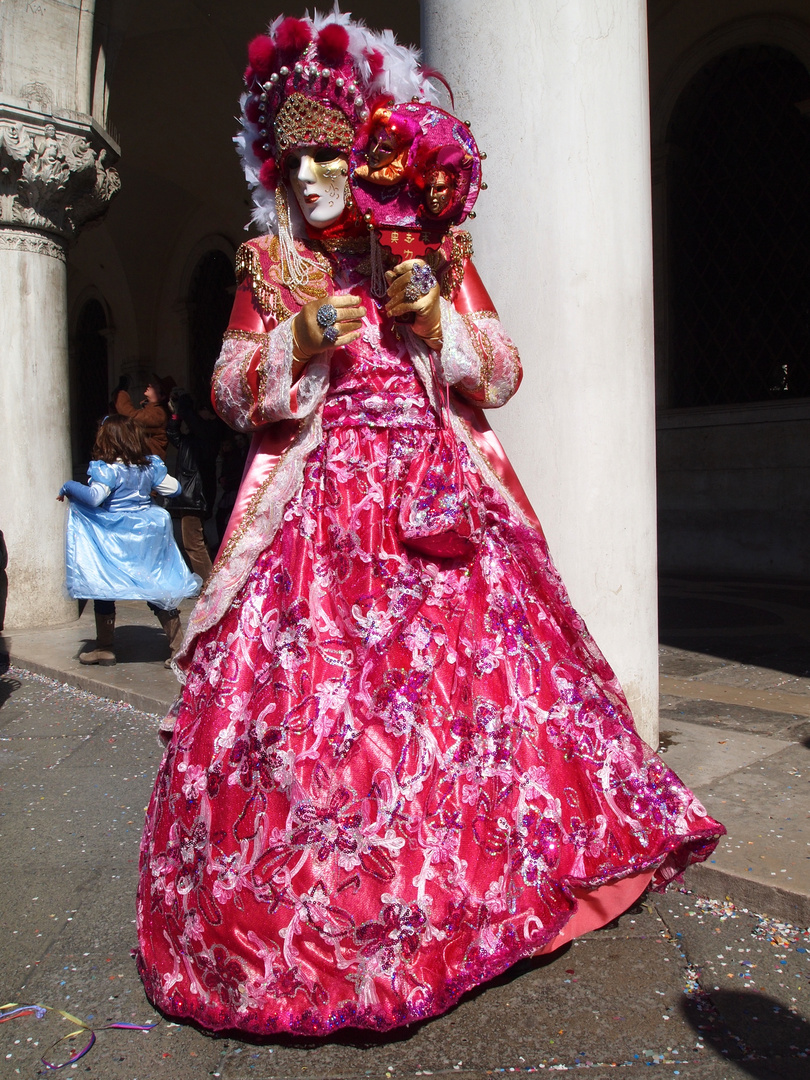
(731, 237)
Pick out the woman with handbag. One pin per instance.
(399, 763)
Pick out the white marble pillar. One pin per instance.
(34, 435)
(54, 177)
(53, 180)
(556, 93)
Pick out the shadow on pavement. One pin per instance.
(752, 1030)
(7, 688)
(136, 644)
(7, 684)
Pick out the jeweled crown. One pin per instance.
(305, 88)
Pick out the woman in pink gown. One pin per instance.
(391, 775)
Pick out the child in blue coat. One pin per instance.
(120, 545)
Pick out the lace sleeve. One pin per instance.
(252, 382)
(477, 357)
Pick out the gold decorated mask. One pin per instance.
(439, 191)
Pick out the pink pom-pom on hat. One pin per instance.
(292, 36)
(262, 56)
(333, 44)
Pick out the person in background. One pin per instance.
(196, 434)
(120, 545)
(152, 415)
(233, 455)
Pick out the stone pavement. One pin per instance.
(691, 987)
(139, 678)
(735, 724)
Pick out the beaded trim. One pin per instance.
(461, 248)
(248, 265)
(449, 268)
(264, 371)
(303, 122)
(244, 335)
(483, 348)
(346, 245)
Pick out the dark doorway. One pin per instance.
(209, 307)
(91, 386)
(739, 231)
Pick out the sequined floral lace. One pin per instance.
(388, 774)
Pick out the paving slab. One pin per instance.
(734, 718)
(771, 699)
(700, 753)
(764, 807)
(756, 677)
(684, 663)
(735, 660)
(759, 787)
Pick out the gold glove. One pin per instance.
(322, 325)
(413, 288)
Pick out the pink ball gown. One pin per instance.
(390, 776)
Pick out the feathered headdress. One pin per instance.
(310, 81)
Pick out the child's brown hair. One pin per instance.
(120, 439)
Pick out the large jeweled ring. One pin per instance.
(326, 316)
(422, 281)
(330, 334)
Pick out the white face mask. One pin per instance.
(318, 178)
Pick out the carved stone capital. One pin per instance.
(33, 242)
(54, 170)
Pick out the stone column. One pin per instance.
(53, 179)
(556, 93)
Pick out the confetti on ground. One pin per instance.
(722, 909)
(12, 1011)
(106, 705)
(783, 934)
